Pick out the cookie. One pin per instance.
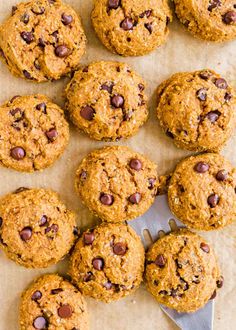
(107, 100)
(42, 40)
(108, 262)
(52, 303)
(197, 110)
(36, 228)
(202, 192)
(131, 28)
(117, 183)
(34, 133)
(212, 20)
(182, 271)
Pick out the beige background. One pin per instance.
(182, 52)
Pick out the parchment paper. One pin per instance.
(181, 53)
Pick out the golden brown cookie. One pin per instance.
(182, 271)
(202, 192)
(52, 303)
(117, 183)
(34, 133)
(36, 228)
(197, 110)
(107, 100)
(130, 27)
(212, 20)
(42, 40)
(108, 261)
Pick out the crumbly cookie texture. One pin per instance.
(33, 131)
(108, 262)
(42, 40)
(36, 228)
(107, 100)
(197, 110)
(52, 303)
(212, 20)
(182, 271)
(131, 28)
(202, 192)
(117, 183)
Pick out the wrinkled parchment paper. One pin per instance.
(182, 52)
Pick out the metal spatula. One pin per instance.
(159, 220)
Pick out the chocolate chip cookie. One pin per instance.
(197, 110)
(53, 303)
(42, 40)
(108, 262)
(33, 133)
(213, 20)
(131, 28)
(36, 228)
(117, 183)
(202, 192)
(182, 271)
(107, 100)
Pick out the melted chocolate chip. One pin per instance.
(228, 97)
(106, 199)
(43, 221)
(28, 37)
(202, 94)
(213, 200)
(25, 18)
(120, 249)
(13, 112)
(36, 295)
(65, 311)
(108, 285)
(201, 167)
(213, 116)
(136, 164)
(17, 153)
(214, 4)
(146, 13)
(26, 234)
(151, 183)
(14, 97)
(19, 190)
(56, 291)
(229, 17)
(87, 113)
(127, 24)
(42, 107)
(89, 238)
(38, 10)
(88, 277)
(149, 27)
(62, 51)
(135, 198)
(205, 247)
(98, 263)
(160, 261)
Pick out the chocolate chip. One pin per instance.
(76, 231)
(56, 291)
(1, 221)
(127, 24)
(229, 17)
(65, 311)
(214, 4)
(28, 37)
(43, 221)
(41, 107)
(220, 282)
(201, 167)
(108, 285)
(120, 249)
(228, 97)
(13, 10)
(88, 277)
(107, 88)
(213, 116)
(213, 200)
(136, 164)
(55, 36)
(151, 182)
(26, 234)
(213, 295)
(205, 247)
(85, 69)
(98, 263)
(117, 101)
(149, 27)
(54, 228)
(14, 97)
(41, 43)
(170, 134)
(202, 94)
(38, 10)
(167, 20)
(146, 13)
(83, 175)
(141, 87)
(52, 134)
(19, 190)
(37, 64)
(17, 153)
(27, 74)
(163, 292)
(135, 198)
(113, 4)
(66, 19)
(222, 175)
(221, 83)
(62, 51)
(13, 112)
(106, 199)
(25, 18)
(40, 323)
(160, 261)
(36, 295)
(89, 238)
(205, 75)
(87, 113)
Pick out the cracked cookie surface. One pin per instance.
(108, 262)
(197, 110)
(182, 271)
(42, 40)
(51, 302)
(33, 133)
(131, 28)
(212, 20)
(100, 103)
(117, 183)
(202, 192)
(36, 228)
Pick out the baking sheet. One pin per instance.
(182, 52)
